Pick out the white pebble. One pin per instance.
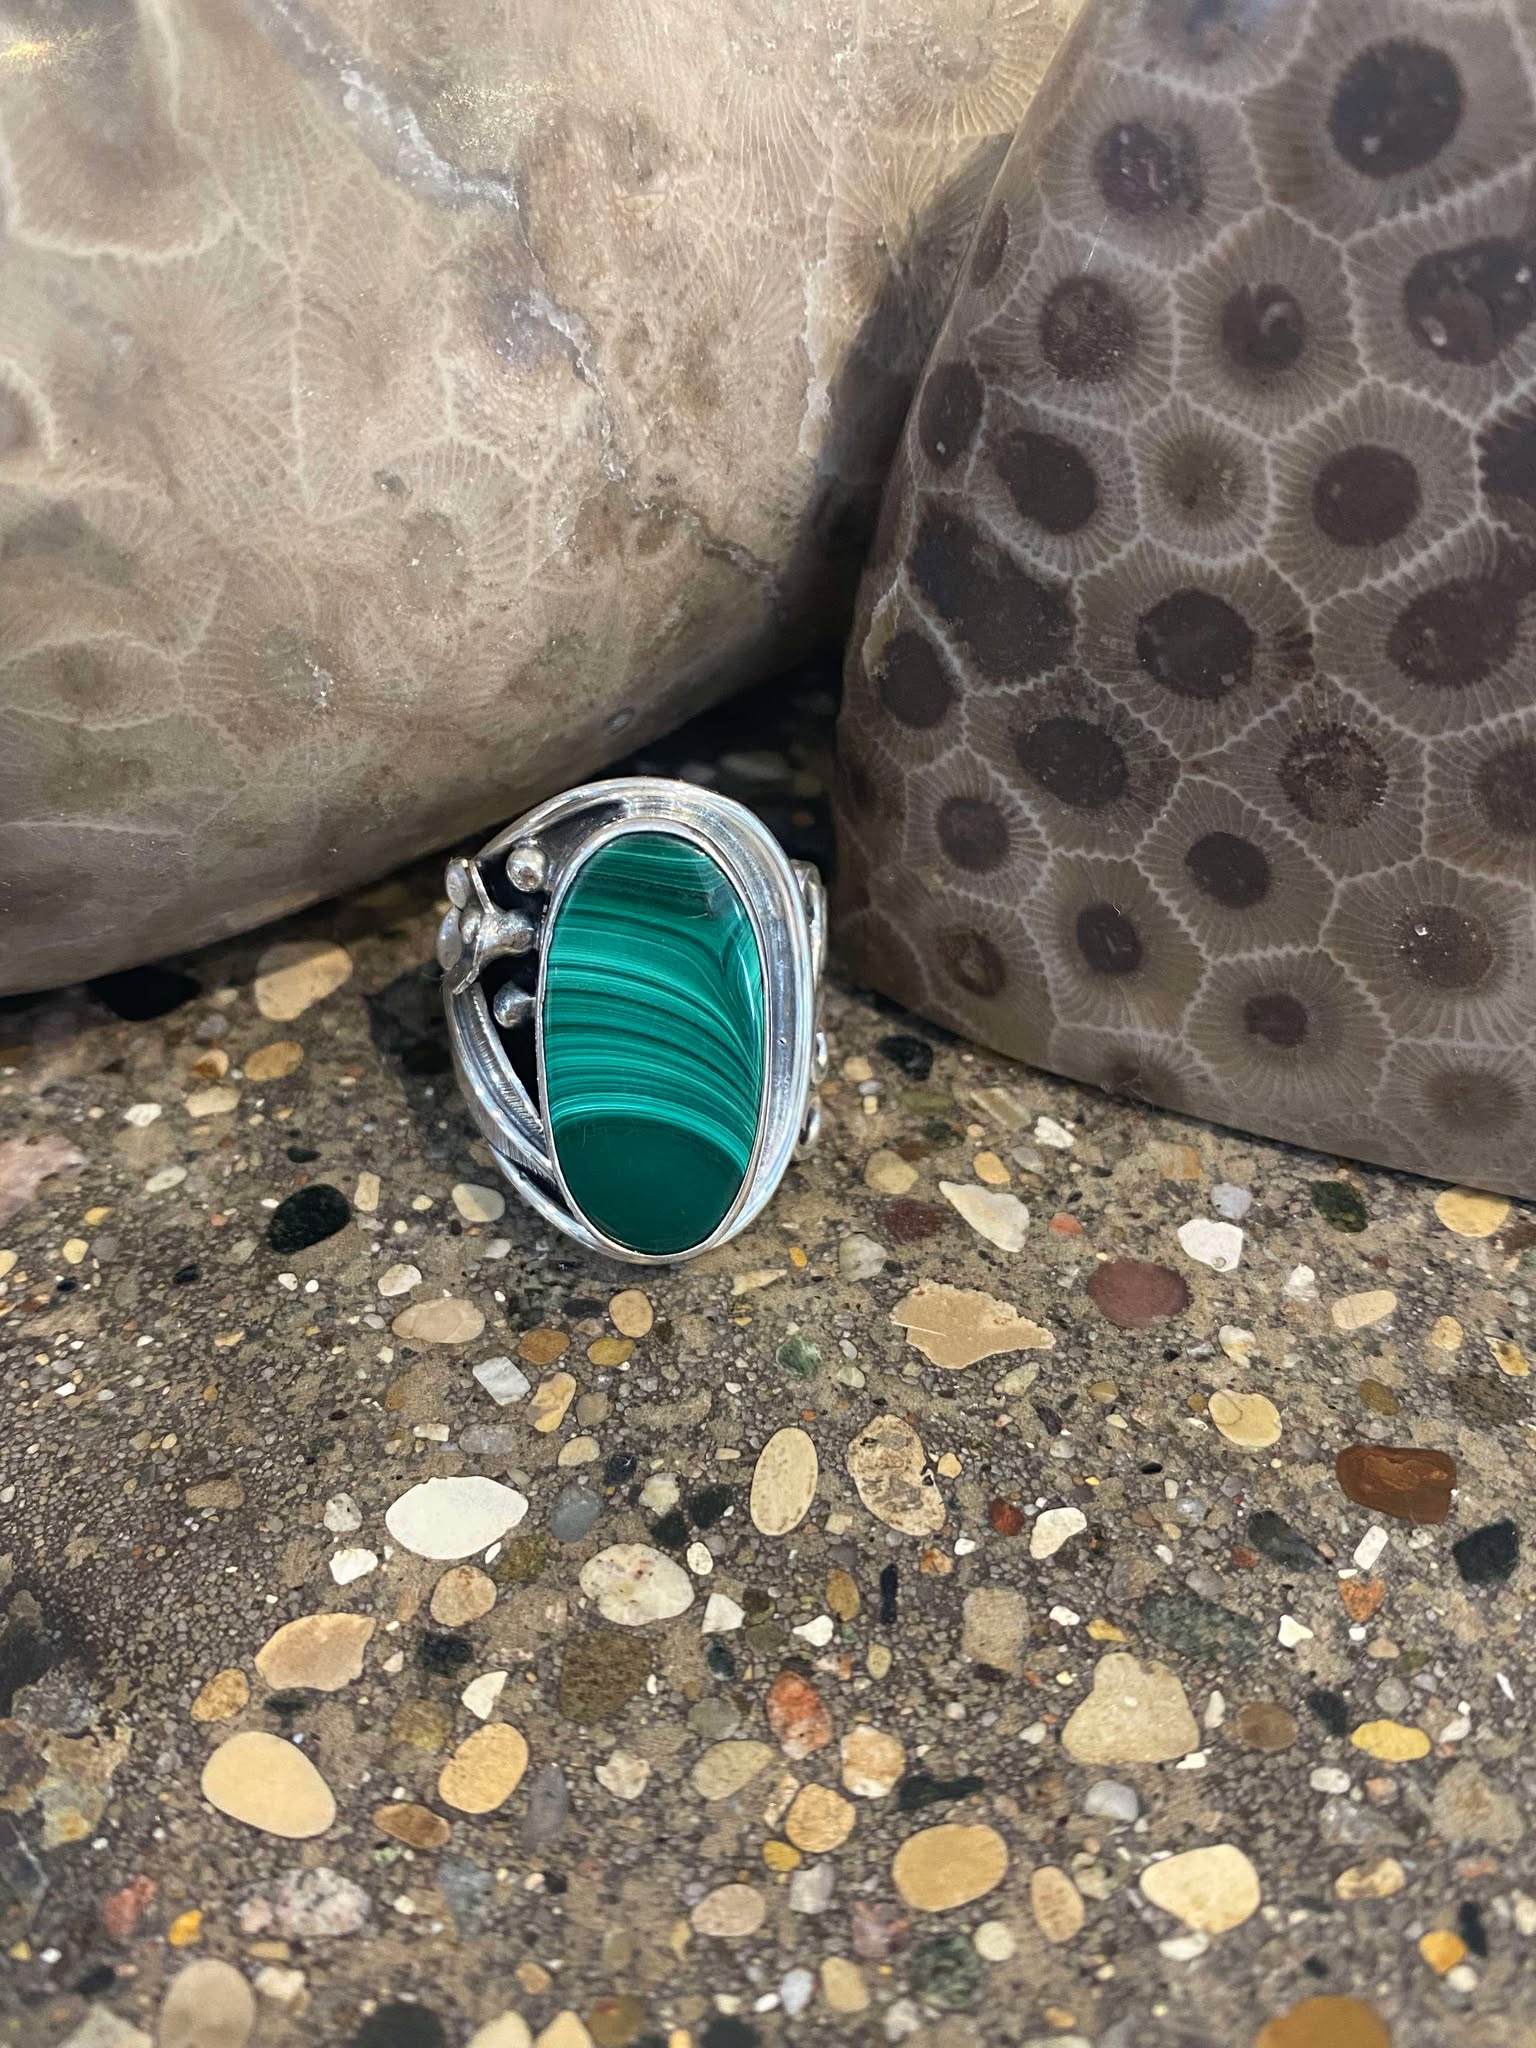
(141, 1115)
(400, 1279)
(796, 1990)
(1217, 1245)
(1291, 1632)
(1230, 1201)
(1330, 1779)
(1370, 1546)
(1056, 1136)
(348, 1565)
(721, 1615)
(1300, 1284)
(817, 1633)
(1108, 1799)
(1055, 1527)
(504, 1381)
(342, 1514)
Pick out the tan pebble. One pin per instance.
(631, 1313)
(843, 1986)
(1250, 1421)
(819, 1820)
(533, 1977)
(1382, 1879)
(781, 1857)
(485, 1770)
(732, 1912)
(461, 1595)
(477, 1204)
(888, 1173)
(948, 1866)
(1056, 1903)
(542, 1346)
(1470, 1213)
(756, 1279)
(579, 1450)
(1002, 1219)
(1446, 1334)
(267, 1783)
(989, 1168)
(445, 1321)
(274, 1062)
(872, 1761)
(7, 1263)
(1211, 1890)
(74, 1250)
(1442, 1949)
(857, 1068)
(222, 1696)
(949, 1466)
(1391, 1742)
(1509, 1358)
(212, 1102)
(784, 1482)
(727, 1767)
(417, 1826)
(507, 2030)
(316, 1653)
(213, 1065)
(295, 974)
(889, 1466)
(223, 1492)
(549, 1401)
(1362, 1311)
(842, 1594)
(365, 1196)
(1136, 1714)
(209, 2005)
(566, 2030)
(877, 1661)
(954, 1327)
(610, 1351)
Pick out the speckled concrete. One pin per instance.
(188, 1405)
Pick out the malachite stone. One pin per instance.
(653, 1042)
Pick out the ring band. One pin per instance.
(632, 977)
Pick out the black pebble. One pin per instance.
(890, 1579)
(1487, 1556)
(1050, 1421)
(286, 1704)
(709, 1506)
(918, 1790)
(185, 1275)
(914, 1056)
(307, 1216)
(444, 1654)
(101, 1977)
(1332, 1709)
(398, 2025)
(144, 992)
(1274, 1536)
(1471, 1926)
(671, 1530)
(302, 1155)
(720, 1661)
(728, 2032)
(621, 1466)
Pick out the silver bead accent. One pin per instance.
(528, 868)
(512, 1006)
(450, 942)
(458, 883)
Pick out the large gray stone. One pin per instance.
(400, 416)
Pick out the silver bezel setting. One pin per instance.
(541, 854)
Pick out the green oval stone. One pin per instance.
(653, 1042)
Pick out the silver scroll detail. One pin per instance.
(540, 855)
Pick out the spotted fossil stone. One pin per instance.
(1190, 734)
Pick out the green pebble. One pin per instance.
(799, 1357)
(1339, 1205)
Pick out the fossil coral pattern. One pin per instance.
(1190, 741)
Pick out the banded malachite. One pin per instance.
(653, 1039)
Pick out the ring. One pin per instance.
(632, 979)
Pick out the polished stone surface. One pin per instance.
(403, 410)
(653, 1039)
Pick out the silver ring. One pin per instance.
(632, 977)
